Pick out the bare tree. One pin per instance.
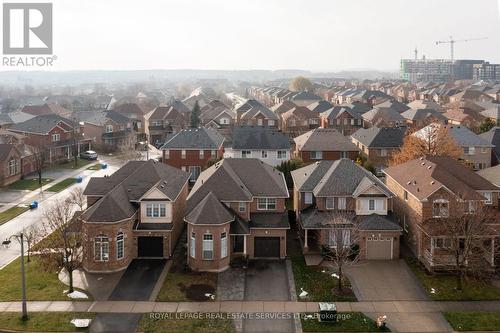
(39, 158)
(343, 235)
(77, 198)
(31, 237)
(65, 244)
(465, 239)
(127, 153)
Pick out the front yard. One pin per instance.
(348, 322)
(62, 185)
(320, 285)
(42, 283)
(71, 164)
(12, 212)
(474, 321)
(174, 323)
(42, 321)
(28, 184)
(443, 287)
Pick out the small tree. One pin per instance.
(65, 244)
(77, 198)
(195, 116)
(286, 167)
(31, 237)
(343, 238)
(39, 159)
(301, 83)
(486, 125)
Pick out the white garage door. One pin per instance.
(379, 248)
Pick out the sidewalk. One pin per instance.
(385, 307)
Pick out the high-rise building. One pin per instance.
(486, 71)
(443, 70)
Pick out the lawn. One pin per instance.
(71, 164)
(444, 286)
(10, 213)
(319, 285)
(62, 185)
(95, 167)
(209, 323)
(348, 322)
(474, 321)
(28, 184)
(41, 284)
(184, 285)
(42, 321)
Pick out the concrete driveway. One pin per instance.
(267, 281)
(380, 280)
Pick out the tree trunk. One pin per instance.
(459, 274)
(70, 275)
(40, 177)
(339, 284)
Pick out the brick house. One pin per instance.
(324, 144)
(163, 121)
(378, 144)
(493, 137)
(422, 117)
(136, 212)
(55, 135)
(191, 150)
(342, 118)
(299, 120)
(326, 188)
(136, 114)
(10, 164)
(254, 113)
(435, 187)
(236, 209)
(382, 117)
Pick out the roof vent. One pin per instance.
(409, 183)
(414, 182)
(429, 167)
(423, 163)
(421, 158)
(432, 182)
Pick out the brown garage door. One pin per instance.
(379, 248)
(267, 247)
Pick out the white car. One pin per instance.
(89, 155)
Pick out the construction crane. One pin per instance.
(453, 41)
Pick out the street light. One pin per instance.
(20, 239)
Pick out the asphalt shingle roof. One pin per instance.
(259, 137)
(385, 137)
(324, 139)
(195, 138)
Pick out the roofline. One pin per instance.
(212, 224)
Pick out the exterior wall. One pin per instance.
(327, 155)
(374, 154)
(280, 206)
(272, 155)
(93, 132)
(235, 207)
(481, 158)
(192, 158)
(216, 264)
(5, 177)
(281, 233)
(168, 246)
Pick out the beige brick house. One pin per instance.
(135, 212)
(236, 209)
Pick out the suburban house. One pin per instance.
(326, 190)
(299, 120)
(108, 129)
(492, 112)
(191, 150)
(422, 117)
(16, 158)
(236, 209)
(136, 113)
(320, 106)
(136, 212)
(378, 143)
(304, 98)
(254, 113)
(217, 115)
(382, 117)
(46, 109)
(55, 135)
(282, 107)
(162, 121)
(263, 143)
(493, 137)
(342, 118)
(324, 144)
(435, 187)
(477, 151)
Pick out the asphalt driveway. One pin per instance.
(267, 281)
(136, 284)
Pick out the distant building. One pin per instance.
(440, 70)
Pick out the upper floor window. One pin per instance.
(316, 155)
(342, 203)
(371, 204)
(246, 153)
(208, 247)
(330, 204)
(266, 204)
(259, 122)
(281, 154)
(109, 128)
(469, 150)
(194, 173)
(223, 245)
(192, 246)
(263, 154)
(213, 154)
(293, 122)
(156, 210)
(343, 154)
(166, 153)
(488, 196)
(156, 123)
(183, 153)
(202, 154)
(440, 208)
(383, 152)
(101, 248)
(13, 167)
(56, 137)
(484, 150)
(313, 121)
(308, 198)
(270, 122)
(224, 121)
(242, 207)
(120, 246)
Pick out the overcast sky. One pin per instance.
(318, 35)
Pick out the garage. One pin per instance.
(379, 248)
(267, 247)
(150, 247)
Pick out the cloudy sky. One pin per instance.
(318, 35)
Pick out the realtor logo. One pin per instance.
(27, 28)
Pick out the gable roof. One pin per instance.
(463, 136)
(320, 106)
(195, 138)
(41, 124)
(422, 114)
(5, 150)
(384, 137)
(283, 107)
(209, 211)
(428, 174)
(491, 174)
(380, 115)
(324, 139)
(493, 137)
(394, 104)
(46, 109)
(259, 137)
(304, 96)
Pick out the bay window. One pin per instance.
(101, 248)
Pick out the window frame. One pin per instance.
(266, 204)
(440, 202)
(120, 246)
(370, 201)
(316, 155)
(223, 245)
(208, 246)
(342, 203)
(332, 206)
(306, 196)
(192, 246)
(101, 243)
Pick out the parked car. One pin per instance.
(89, 155)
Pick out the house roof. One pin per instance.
(463, 136)
(179, 106)
(304, 96)
(425, 104)
(195, 138)
(5, 149)
(381, 115)
(320, 106)
(283, 107)
(301, 112)
(393, 104)
(492, 112)
(259, 137)
(422, 114)
(491, 174)
(338, 110)
(428, 174)
(493, 137)
(46, 109)
(238, 179)
(380, 137)
(324, 139)
(378, 222)
(209, 211)
(41, 124)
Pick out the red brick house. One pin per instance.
(299, 120)
(162, 121)
(254, 113)
(435, 187)
(325, 189)
(342, 118)
(236, 209)
(136, 212)
(191, 150)
(324, 144)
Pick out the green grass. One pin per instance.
(348, 322)
(42, 321)
(71, 164)
(96, 166)
(62, 185)
(28, 184)
(41, 283)
(10, 213)
(176, 283)
(319, 285)
(445, 286)
(174, 324)
(474, 321)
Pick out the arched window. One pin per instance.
(101, 248)
(119, 246)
